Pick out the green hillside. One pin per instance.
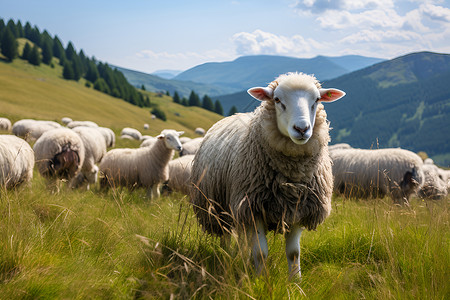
(40, 92)
(184, 88)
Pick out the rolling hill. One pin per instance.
(159, 84)
(404, 102)
(248, 71)
(40, 92)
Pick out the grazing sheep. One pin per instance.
(185, 139)
(147, 167)
(108, 134)
(146, 127)
(134, 133)
(74, 124)
(16, 161)
(32, 129)
(200, 131)
(375, 173)
(179, 174)
(94, 150)
(5, 124)
(148, 142)
(59, 154)
(435, 182)
(191, 147)
(270, 169)
(127, 137)
(66, 120)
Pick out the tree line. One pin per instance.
(76, 65)
(206, 102)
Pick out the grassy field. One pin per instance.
(40, 92)
(119, 245)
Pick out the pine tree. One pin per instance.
(68, 71)
(58, 49)
(77, 68)
(92, 72)
(184, 102)
(233, 110)
(13, 28)
(2, 25)
(70, 51)
(194, 99)
(35, 36)
(8, 44)
(26, 51)
(35, 56)
(218, 108)
(47, 53)
(207, 103)
(143, 87)
(20, 29)
(176, 97)
(28, 30)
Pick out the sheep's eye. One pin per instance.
(277, 100)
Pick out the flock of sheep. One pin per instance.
(271, 169)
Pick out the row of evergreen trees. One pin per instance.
(206, 103)
(75, 65)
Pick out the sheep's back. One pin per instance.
(16, 161)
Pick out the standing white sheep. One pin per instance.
(16, 161)
(74, 124)
(376, 173)
(94, 150)
(200, 131)
(146, 167)
(270, 169)
(66, 120)
(5, 124)
(59, 154)
(32, 129)
(109, 135)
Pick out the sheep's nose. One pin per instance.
(302, 131)
(179, 148)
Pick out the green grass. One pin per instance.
(40, 92)
(117, 244)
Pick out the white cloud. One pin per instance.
(367, 36)
(435, 13)
(260, 42)
(320, 6)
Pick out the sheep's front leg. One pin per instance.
(293, 251)
(154, 192)
(260, 249)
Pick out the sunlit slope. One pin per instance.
(40, 92)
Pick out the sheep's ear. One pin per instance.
(261, 93)
(330, 95)
(180, 132)
(161, 136)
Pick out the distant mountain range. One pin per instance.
(166, 74)
(248, 71)
(404, 102)
(222, 78)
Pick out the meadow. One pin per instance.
(119, 245)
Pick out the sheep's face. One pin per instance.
(296, 105)
(171, 139)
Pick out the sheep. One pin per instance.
(268, 170)
(5, 124)
(74, 124)
(149, 142)
(66, 120)
(16, 161)
(94, 150)
(191, 147)
(339, 146)
(146, 167)
(435, 182)
(59, 154)
(200, 131)
(108, 134)
(134, 133)
(179, 174)
(375, 173)
(146, 127)
(185, 139)
(32, 129)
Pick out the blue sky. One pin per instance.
(150, 35)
